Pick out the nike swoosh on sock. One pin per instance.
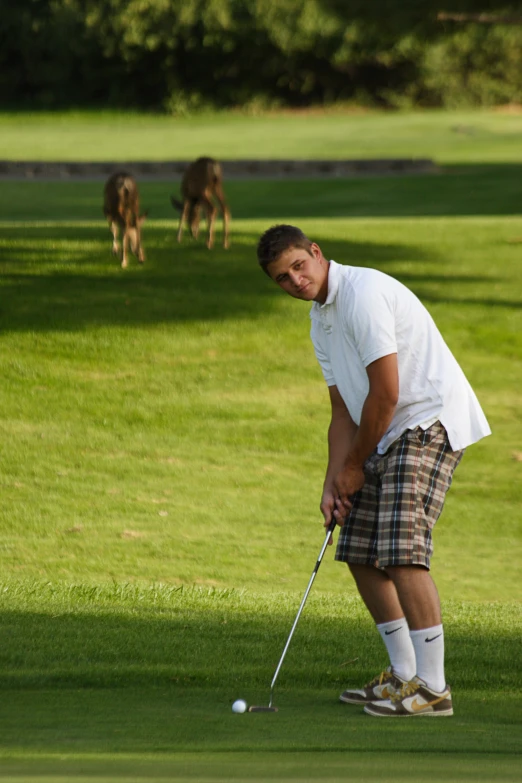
(387, 633)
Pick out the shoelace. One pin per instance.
(406, 690)
(382, 677)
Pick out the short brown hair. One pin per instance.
(278, 239)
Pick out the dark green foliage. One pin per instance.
(184, 55)
(475, 65)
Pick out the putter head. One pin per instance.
(255, 708)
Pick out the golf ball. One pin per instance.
(239, 706)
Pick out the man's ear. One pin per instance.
(316, 250)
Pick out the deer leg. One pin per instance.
(226, 222)
(141, 254)
(139, 247)
(211, 211)
(182, 219)
(226, 214)
(196, 222)
(114, 230)
(135, 240)
(125, 248)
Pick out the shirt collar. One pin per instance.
(334, 272)
(318, 311)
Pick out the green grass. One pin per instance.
(165, 424)
(64, 635)
(162, 451)
(485, 136)
(305, 766)
(118, 679)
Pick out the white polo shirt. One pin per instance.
(368, 315)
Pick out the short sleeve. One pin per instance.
(373, 324)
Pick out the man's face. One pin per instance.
(301, 274)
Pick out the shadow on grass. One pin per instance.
(66, 279)
(227, 646)
(164, 680)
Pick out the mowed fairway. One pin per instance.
(163, 449)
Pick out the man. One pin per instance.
(402, 414)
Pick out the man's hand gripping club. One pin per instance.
(349, 446)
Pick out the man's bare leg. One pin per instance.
(399, 591)
(379, 594)
(410, 592)
(417, 594)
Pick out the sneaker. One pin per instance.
(381, 687)
(414, 698)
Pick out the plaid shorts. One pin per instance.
(393, 515)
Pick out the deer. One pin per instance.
(201, 182)
(121, 207)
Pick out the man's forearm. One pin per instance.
(376, 417)
(341, 434)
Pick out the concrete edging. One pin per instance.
(251, 169)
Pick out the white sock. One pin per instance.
(396, 637)
(429, 653)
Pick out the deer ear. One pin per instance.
(143, 218)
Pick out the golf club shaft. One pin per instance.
(310, 583)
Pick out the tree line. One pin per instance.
(181, 56)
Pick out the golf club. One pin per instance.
(270, 708)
